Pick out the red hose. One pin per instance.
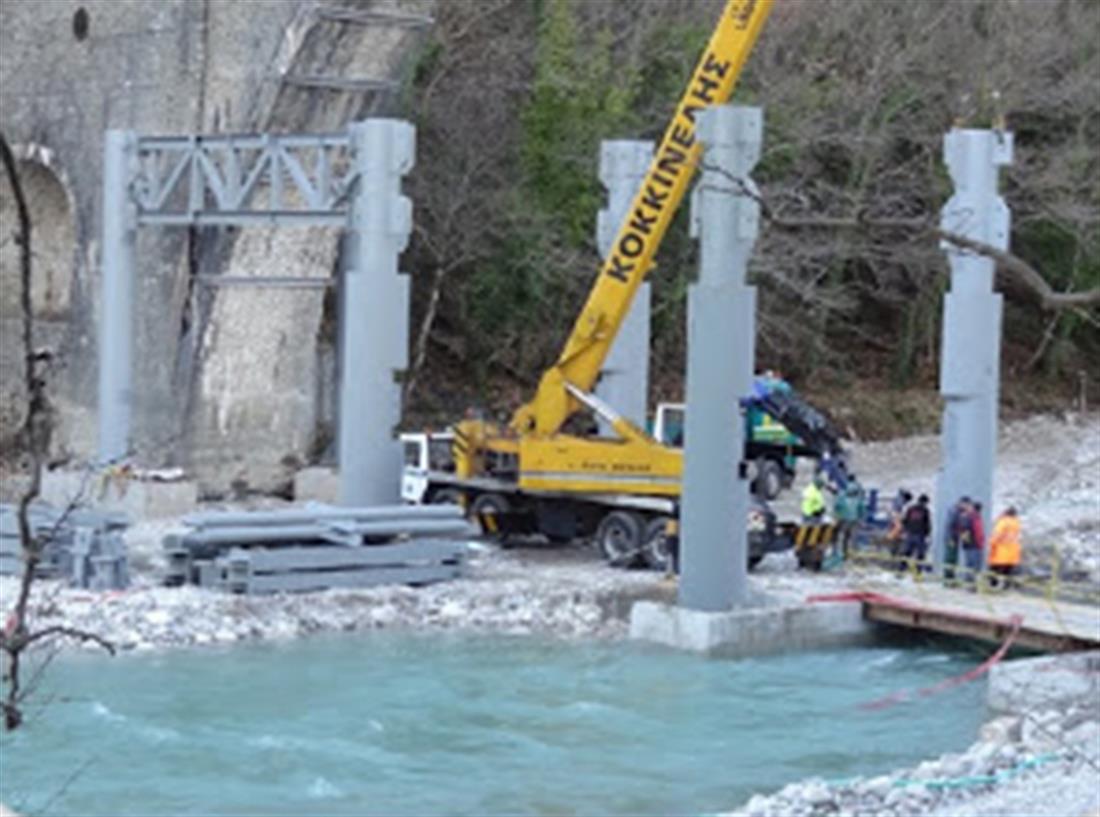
(954, 681)
(903, 695)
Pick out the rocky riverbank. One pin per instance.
(563, 594)
(1039, 756)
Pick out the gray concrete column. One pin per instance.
(375, 312)
(721, 334)
(971, 351)
(624, 381)
(116, 319)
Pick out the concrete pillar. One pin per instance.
(624, 381)
(116, 320)
(971, 351)
(721, 332)
(375, 330)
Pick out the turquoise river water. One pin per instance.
(397, 724)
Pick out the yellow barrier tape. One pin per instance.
(989, 585)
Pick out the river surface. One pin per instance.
(399, 724)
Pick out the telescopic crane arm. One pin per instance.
(644, 227)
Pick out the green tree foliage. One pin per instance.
(577, 99)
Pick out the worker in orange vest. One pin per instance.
(1004, 545)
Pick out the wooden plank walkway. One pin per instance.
(1045, 625)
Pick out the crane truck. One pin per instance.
(532, 473)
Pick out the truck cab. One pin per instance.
(424, 454)
(769, 446)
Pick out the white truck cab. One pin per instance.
(424, 453)
(668, 424)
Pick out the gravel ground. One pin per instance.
(506, 591)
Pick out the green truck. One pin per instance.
(780, 427)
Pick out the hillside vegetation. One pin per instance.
(511, 98)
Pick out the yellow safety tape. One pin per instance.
(1049, 588)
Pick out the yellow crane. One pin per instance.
(622, 488)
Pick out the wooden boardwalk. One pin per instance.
(1045, 625)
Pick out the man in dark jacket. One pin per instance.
(960, 537)
(972, 550)
(917, 525)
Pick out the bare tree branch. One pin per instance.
(16, 636)
(1022, 271)
(70, 632)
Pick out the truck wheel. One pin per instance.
(619, 538)
(447, 496)
(769, 479)
(487, 509)
(655, 548)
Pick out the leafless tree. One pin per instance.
(17, 635)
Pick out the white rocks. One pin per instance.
(757, 806)
(878, 786)
(452, 611)
(894, 797)
(817, 793)
(1037, 734)
(1001, 730)
(1085, 737)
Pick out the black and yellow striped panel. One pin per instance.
(814, 535)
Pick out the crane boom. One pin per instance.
(644, 227)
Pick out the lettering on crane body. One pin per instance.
(741, 15)
(671, 165)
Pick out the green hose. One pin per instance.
(981, 779)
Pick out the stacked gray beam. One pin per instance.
(721, 332)
(624, 381)
(375, 320)
(971, 351)
(318, 547)
(83, 546)
(299, 569)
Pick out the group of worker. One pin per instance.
(964, 541)
(911, 528)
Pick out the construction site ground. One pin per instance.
(1048, 466)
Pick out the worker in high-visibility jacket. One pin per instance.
(1004, 545)
(813, 501)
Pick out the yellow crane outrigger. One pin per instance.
(533, 454)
